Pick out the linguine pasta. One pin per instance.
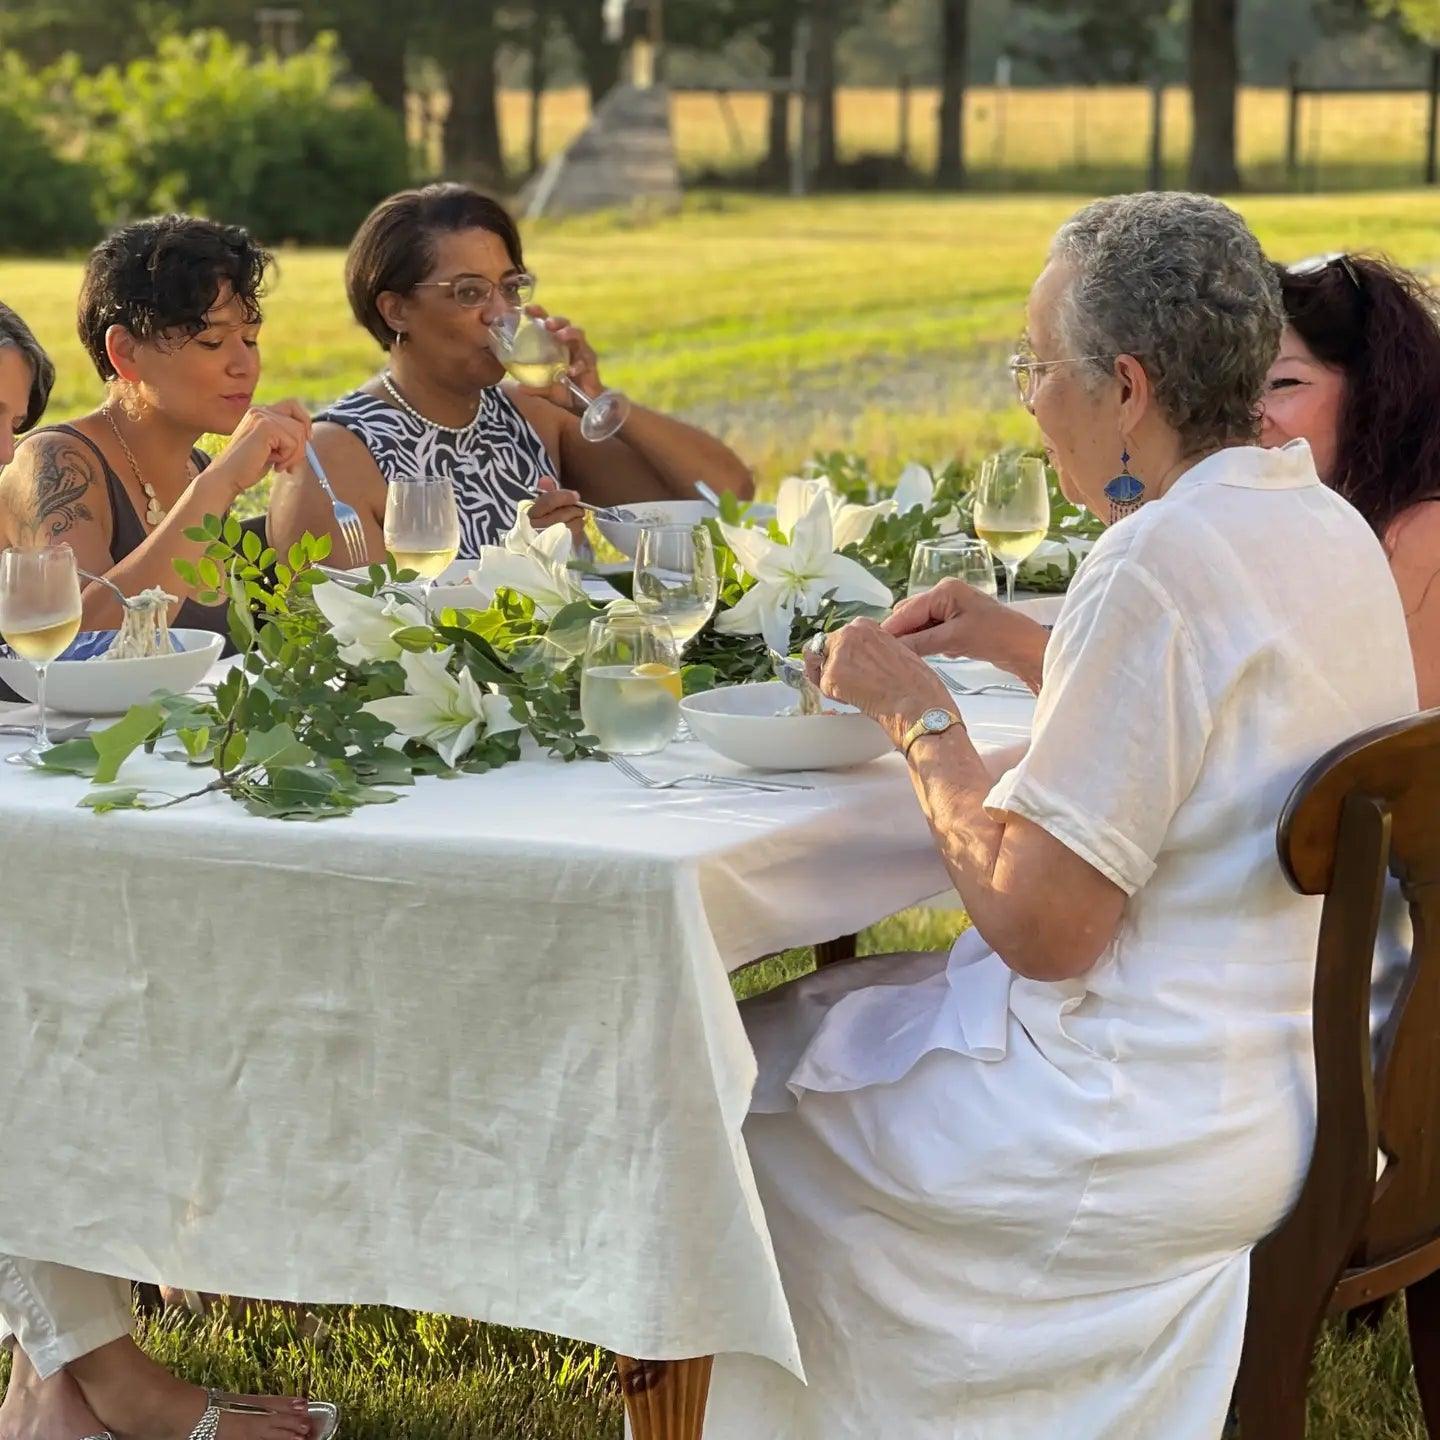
(145, 631)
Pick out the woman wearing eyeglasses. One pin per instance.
(428, 273)
(1358, 376)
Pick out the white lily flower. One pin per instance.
(532, 562)
(915, 489)
(444, 711)
(794, 577)
(850, 523)
(793, 498)
(365, 624)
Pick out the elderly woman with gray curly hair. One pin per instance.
(1013, 1189)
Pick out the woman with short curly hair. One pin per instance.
(170, 315)
(1013, 1191)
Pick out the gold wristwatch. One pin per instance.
(932, 722)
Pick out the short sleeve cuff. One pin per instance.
(1101, 846)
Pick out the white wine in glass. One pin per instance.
(39, 619)
(531, 354)
(422, 528)
(676, 579)
(1012, 510)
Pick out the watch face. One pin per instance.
(936, 720)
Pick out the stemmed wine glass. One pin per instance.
(1012, 510)
(39, 619)
(952, 556)
(422, 528)
(531, 354)
(676, 579)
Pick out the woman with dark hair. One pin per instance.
(26, 379)
(428, 273)
(68, 1331)
(170, 315)
(1358, 377)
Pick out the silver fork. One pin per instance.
(734, 782)
(346, 516)
(995, 687)
(620, 513)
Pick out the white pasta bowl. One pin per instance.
(111, 687)
(747, 724)
(625, 537)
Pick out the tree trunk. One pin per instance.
(472, 126)
(1214, 80)
(377, 56)
(780, 41)
(539, 24)
(821, 88)
(599, 59)
(954, 67)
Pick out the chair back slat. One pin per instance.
(1328, 846)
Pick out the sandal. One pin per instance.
(324, 1417)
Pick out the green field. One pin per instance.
(878, 324)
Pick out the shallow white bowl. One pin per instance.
(626, 537)
(744, 723)
(111, 687)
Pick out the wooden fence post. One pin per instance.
(1157, 135)
(1432, 128)
(903, 94)
(1292, 125)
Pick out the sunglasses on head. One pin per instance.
(1318, 263)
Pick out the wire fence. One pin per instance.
(1076, 137)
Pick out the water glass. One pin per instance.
(422, 528)
(39, 618)
(630, 683)
(1012, 510)
(955, 557)
(676, 579)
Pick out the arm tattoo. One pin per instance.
(63, 476)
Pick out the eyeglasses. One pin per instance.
(470, 292)
(1023, 370)
(1315, 264)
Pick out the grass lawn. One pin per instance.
(878, 324)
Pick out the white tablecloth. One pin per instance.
(473, 1052)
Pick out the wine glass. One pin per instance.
(630, 683)
(676, 579)
(422, 528)
(39, 619)
(1012, 510)
(952, 556)
(531, 354)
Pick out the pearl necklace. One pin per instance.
(410, 410)
(155, 512)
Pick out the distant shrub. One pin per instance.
(47, 200)
(284, 147)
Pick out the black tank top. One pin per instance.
(127, 534)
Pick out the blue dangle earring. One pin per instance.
(1124, 492)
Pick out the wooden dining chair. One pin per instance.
(1370, 808)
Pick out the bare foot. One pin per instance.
(141, 1400)
(203, 1303)
(37, 1409)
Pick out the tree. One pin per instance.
(599, 56)
(780, 30)
(820, 89)
(1096, 42)
(1214, 81)
(1420, 17)
(954, 62)
(465, 43)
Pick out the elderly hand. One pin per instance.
(584, 365)
(865, 667)
(952, 619)
(554, 506)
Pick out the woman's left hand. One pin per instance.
(871, 670)
(584, 364)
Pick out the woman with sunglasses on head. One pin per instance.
(429, 273)
(1358, 377)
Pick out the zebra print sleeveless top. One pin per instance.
(495, 462)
